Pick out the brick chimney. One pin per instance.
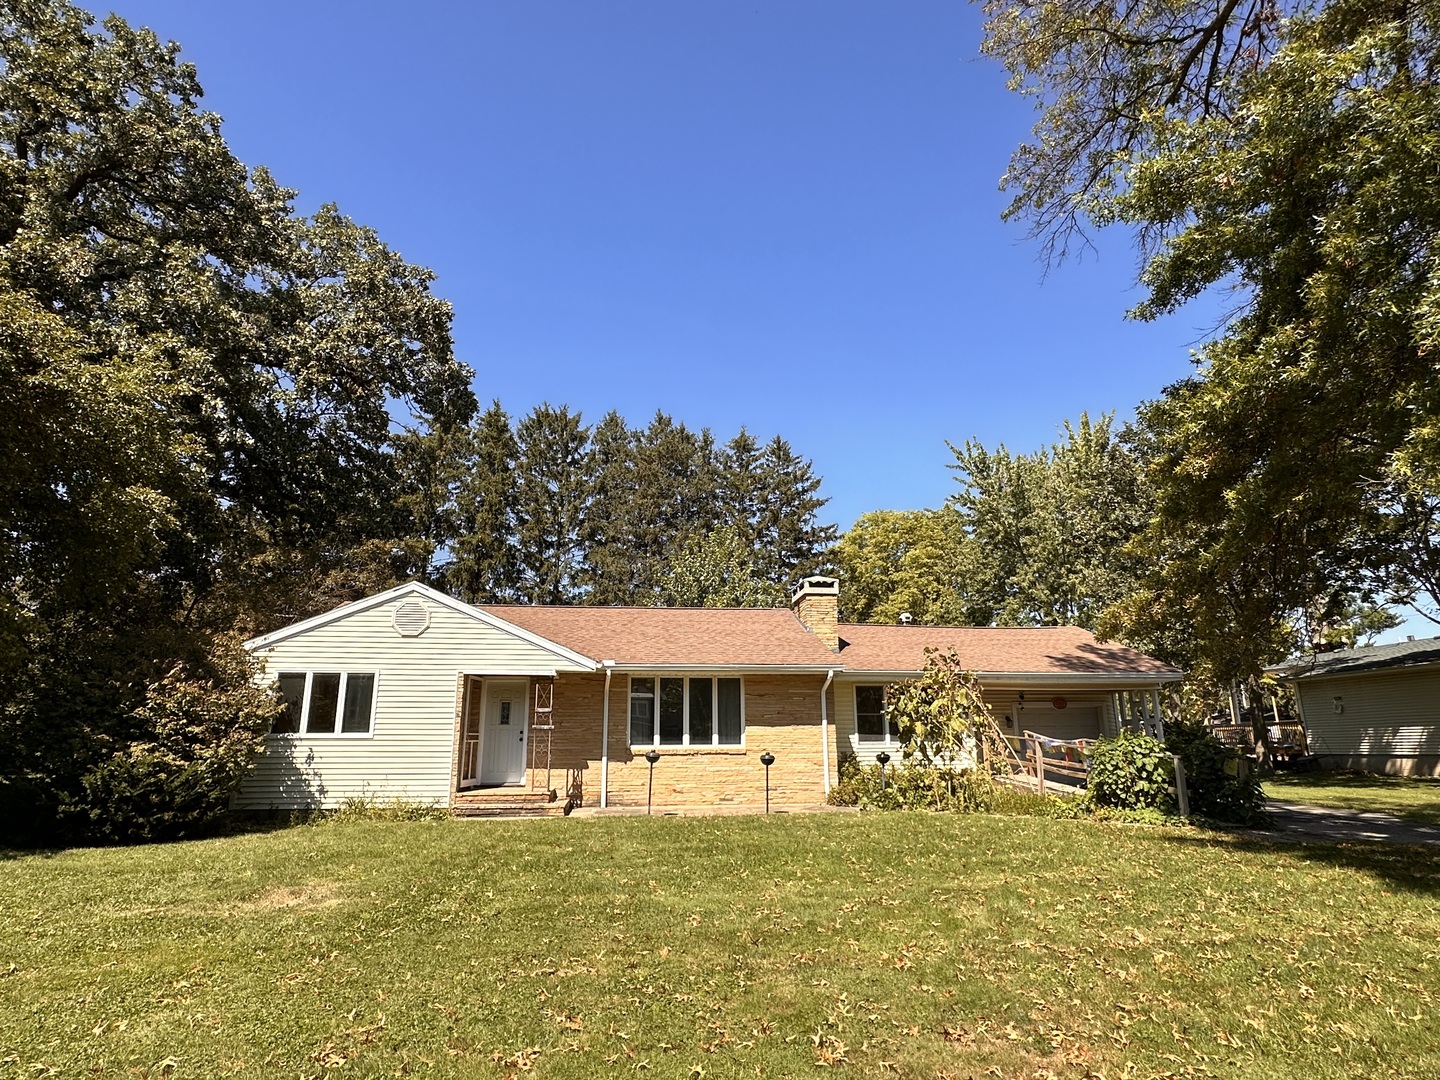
(816, 603)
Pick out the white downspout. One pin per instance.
(825, 728)
(609, 666)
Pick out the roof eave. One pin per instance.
(1001, 679)
(1299, 674)
(642, 668)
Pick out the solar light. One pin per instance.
(767, 759)
(883, 758)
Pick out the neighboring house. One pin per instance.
(1375, 708)
(412, 694)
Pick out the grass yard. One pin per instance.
(1411, 797)
(908, 944)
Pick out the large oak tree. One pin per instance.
(197, 395)
(1288, 154)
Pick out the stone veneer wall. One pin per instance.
(782, 715)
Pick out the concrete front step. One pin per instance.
(506, 802)
(556, 809)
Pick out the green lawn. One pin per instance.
(1412, 798)
(918, 945)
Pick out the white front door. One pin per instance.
(502, 757)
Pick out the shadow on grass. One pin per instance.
(11, 854)
(231, 823)
(254, 822)
(1350, 780)
(1404, 867)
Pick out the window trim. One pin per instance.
(685, 743)
(344, 674)
(887, 739)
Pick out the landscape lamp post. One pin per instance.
(652, 757)
(883, 758)
(767, 759)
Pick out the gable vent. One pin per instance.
(411, 619)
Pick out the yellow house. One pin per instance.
(412, 694)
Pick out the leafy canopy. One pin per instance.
(1287, 154)
(199, 390)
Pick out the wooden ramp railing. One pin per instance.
(1037, 761)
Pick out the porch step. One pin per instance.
(500, 802)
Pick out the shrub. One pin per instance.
(194, 734)
(919, 786)
(1131, 772)
(1221, 784)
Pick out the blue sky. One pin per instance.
(783, 215)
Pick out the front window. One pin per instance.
(326, 703)
(871, 722)
(686, 711)
(642, 711)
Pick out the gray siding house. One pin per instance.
(1375, 708)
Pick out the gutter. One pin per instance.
(609, 666)
(1000, 680)
(739, 669)
(825, 729)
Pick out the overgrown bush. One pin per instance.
(1222, 786)
(919, 786)
(1131, 772)
(194, 733)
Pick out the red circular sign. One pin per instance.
(1059, 702)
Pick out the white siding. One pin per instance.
(1389, 720)
(1072, 722)
(1087, 714)
(846, 738)
(410, 752)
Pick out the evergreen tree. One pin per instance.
(652, 491)
(674, 497)
(552, 474)
(742, 494)
(611, 573)
(790, 542)
(484, 566)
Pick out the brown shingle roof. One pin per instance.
(759, 637)
(771, 637)
(1038, 650)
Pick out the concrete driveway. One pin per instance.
(1293, 821)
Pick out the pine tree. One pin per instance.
(609, 557)
(484, 566)
(790, 541)
(674, 498)
(741, 486)
(552, 471)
